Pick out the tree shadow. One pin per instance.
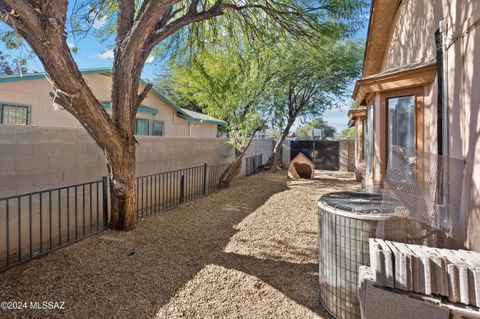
(297, 281)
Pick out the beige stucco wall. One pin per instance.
(412, 40)
(464, 106)
(35, 93)
(412, 37)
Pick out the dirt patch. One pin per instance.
(248, 251)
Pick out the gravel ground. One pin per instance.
(248, 251)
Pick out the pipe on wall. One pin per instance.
(443, 177)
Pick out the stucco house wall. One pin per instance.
(464, 104)
(411, 41)
(411, 37)
(35, 93)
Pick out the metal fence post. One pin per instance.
(182, 189)
(105, 200)
(205, 179)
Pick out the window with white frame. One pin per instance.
(14, 114)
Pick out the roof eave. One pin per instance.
(194, 119)
(394, 81)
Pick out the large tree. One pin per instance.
(227, 83)
(309, 80)
(138, 27)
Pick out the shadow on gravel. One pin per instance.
(296, 281)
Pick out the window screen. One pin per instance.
(14, 114)
(401, 133)
(141, 127)
(158, 128)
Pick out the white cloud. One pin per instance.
(107, 55)
(70, 45)
(150, 59)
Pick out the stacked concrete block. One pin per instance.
(383, 263)
(428, 271)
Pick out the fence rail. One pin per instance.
(253, 164)
(37, 223)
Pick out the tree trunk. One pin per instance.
(278, 145)
(233, 169)
(121, 166)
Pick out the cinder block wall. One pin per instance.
(286, 152)
(258, 146)
(347, 156)
(38, 158)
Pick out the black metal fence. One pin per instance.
(37, 223)
(253, 164)
(167, 190)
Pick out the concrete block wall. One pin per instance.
(38, 158)
(347, 155)
(259, 146)
(286, 152)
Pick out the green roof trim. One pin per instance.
(142, 108)
(195, 119)
(181, 112)
(146, 109)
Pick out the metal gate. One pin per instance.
(325, 154)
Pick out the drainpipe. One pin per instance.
(442, 130)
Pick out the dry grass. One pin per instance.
(248, 251)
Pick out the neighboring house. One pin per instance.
(26, 100)
(420, 91)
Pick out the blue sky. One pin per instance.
(93, 53)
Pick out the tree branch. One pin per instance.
(142, 96)
(49, 43)
(191, 17)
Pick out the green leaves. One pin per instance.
(310, 79)
(225, 84)
(303, 132)
(12, 40)
(10, 66)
